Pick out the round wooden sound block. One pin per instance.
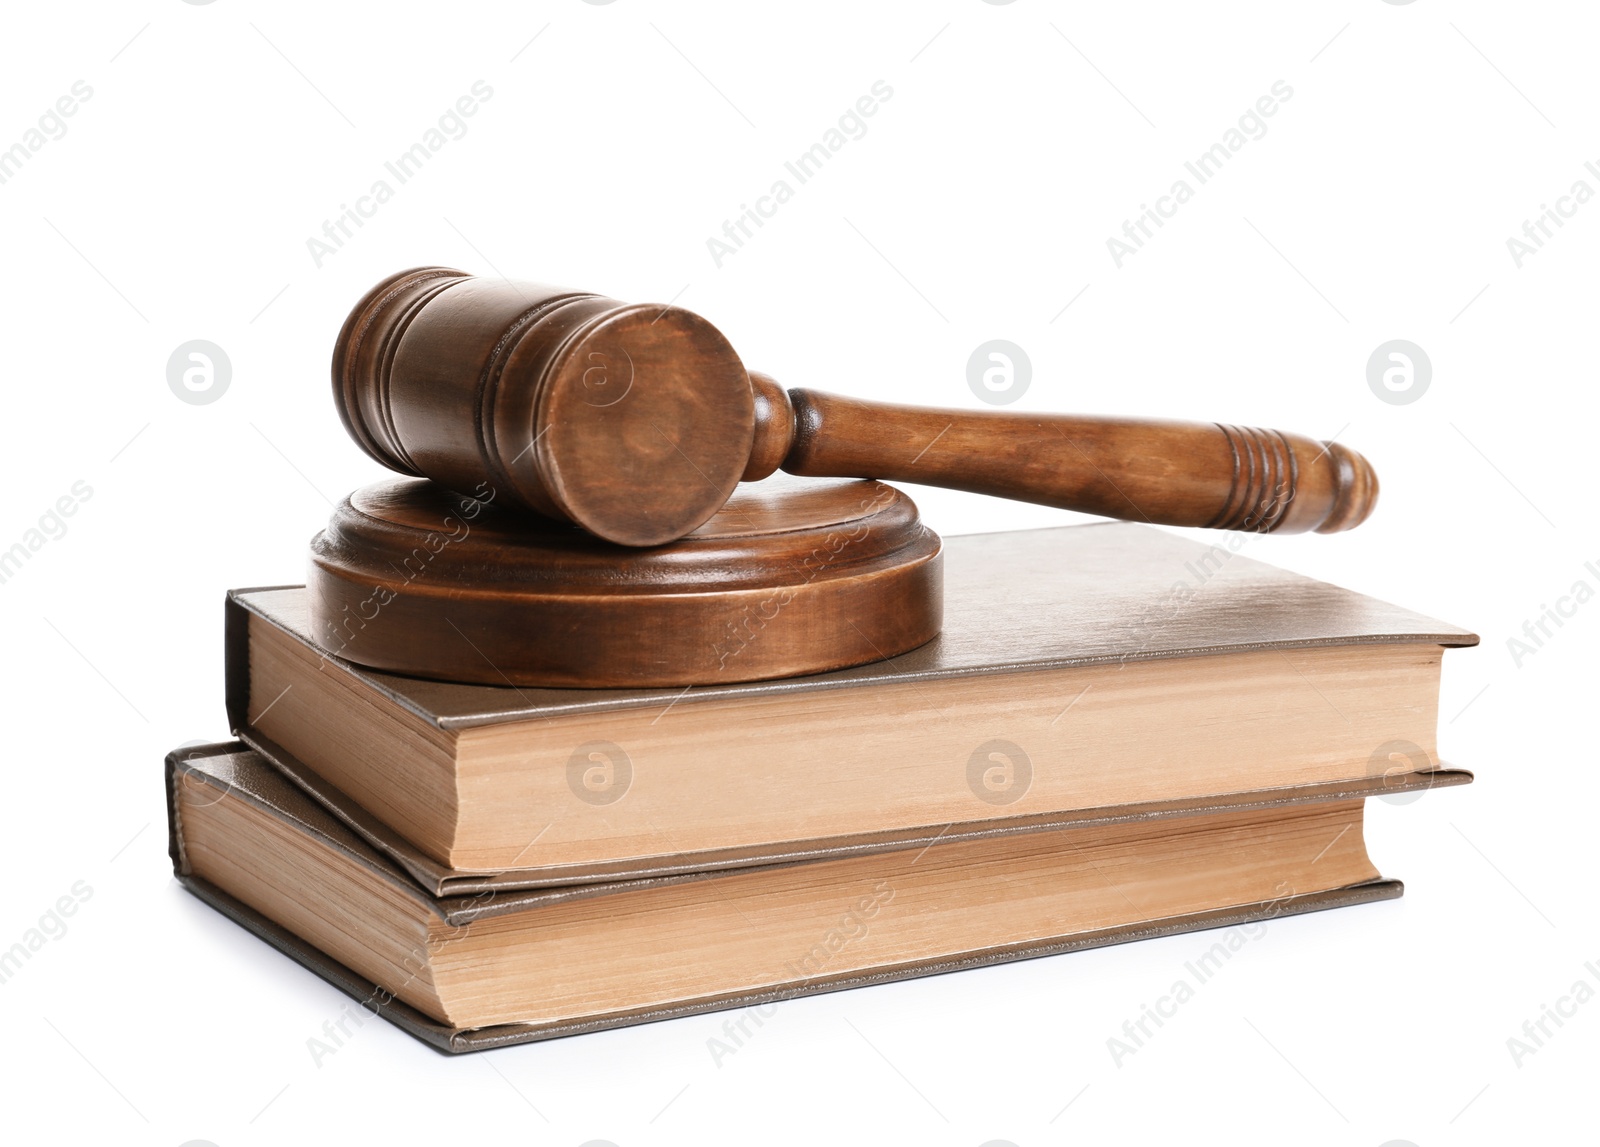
(791, 576)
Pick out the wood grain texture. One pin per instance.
(789, 578)
(637, 422)
(1144, 470)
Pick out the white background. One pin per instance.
(218, 139)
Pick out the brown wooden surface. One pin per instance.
(1143, 470)
(790, 577)
(637, 422)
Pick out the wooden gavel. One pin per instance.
(638, 421)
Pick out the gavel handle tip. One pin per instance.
(1355, 490)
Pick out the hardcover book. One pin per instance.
(466, 972)
(1082, 668)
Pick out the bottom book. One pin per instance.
(498, 967)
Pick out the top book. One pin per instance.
(1079, 668)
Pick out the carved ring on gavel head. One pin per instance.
(638, 421)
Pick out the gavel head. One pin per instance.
(634, 421)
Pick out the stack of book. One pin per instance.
(1120, 733)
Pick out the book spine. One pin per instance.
(236, 661)
(169, 775)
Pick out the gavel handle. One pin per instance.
(1163, 472)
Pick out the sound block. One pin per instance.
(792, 576)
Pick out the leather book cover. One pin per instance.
(235, 770)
